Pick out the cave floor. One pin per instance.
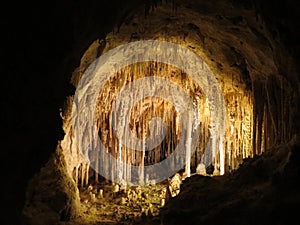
(131, 205)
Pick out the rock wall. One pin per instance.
(52, 194)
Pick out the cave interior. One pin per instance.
(245, 164)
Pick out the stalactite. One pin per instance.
(257, 113)
(244, 122)
(188, 147)
(76, 174)
(87, 167)
(96, 157)
(82, 175)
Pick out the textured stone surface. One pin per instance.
(241, 51)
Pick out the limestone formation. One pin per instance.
(251, 102)
(201, 169)
(174, 185)
(260, 83)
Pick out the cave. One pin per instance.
(151, 112)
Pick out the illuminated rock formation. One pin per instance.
(258, 78)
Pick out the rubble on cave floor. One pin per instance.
(109, 203)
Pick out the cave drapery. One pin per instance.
(256, 94)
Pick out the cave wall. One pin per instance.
(243, 53)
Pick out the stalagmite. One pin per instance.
(92, 197)
(100, 193)
(201, 169)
